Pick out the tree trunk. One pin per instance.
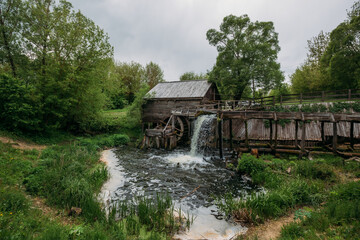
(7, 46)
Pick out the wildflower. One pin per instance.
(10, 213)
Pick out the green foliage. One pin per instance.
(247, 56)
(292, 231)
(313, 170)
(333, 59)
(250, 165)
(193, 76)
(20, 106)
(60, 61)
(339, 218)
(12, 201)
(153, 74)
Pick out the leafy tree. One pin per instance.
(310, 77)
(341, 60)
(131, 77)
(20, 107)
(193, 76)
(247, 55)
(58, 54)
(153, 74)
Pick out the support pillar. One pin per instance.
(303, 137)
(246, 134)
(220, 130)
(334, 137)
(352, 135)
(231, 134)
(276, 135)
(271, 132)
(296, 133)
(323, 133)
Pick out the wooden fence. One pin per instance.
(289, 99)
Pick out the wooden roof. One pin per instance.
(180, 90)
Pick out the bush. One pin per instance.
(250, 165)
(292, 231)
(19, 108)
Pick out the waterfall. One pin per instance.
(202, 131)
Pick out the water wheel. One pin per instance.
(181, 128)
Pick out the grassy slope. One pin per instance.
(65, 176)
(291, 184)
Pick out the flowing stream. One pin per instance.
(191, 177)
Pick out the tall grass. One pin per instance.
(339, 218)
(70, 176)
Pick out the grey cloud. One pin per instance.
(172, 32)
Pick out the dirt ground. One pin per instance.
(21, 144)
(269, 230)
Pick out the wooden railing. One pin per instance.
(292, 99)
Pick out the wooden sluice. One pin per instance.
(300, 118)
(167, 137)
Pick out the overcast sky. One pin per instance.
(172, 33)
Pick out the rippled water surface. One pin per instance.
(191, 181)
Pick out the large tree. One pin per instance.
(341, 60)
(58, 53)
(153, 74)
(247, 55)
(310, 77)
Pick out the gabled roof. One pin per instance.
(180, 89)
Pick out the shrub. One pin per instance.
(248, 164)
(292, 231)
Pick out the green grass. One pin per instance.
(68, 176)
(291, 183)
(338, 219)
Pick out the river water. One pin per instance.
(190, 176)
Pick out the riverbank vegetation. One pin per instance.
(66, 180)
(323, 190)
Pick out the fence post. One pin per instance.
(281, 99)
(301, 98)
(322, 96)
(273, 100)
(349, 95)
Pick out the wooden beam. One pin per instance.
(296, 132)
(334, 137)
